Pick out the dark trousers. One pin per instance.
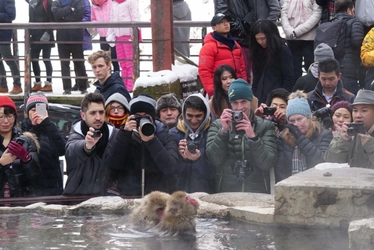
(46, 59)
(300, 50)
(6, 53)
(113, 54)
(76, 50)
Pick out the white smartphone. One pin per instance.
(41, 109)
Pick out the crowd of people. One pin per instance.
(249, 131)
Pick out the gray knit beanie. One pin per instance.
(117, 97)
(323, 52)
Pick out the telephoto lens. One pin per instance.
(146, 126)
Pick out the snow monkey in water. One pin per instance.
(150, 211)
(179, 215)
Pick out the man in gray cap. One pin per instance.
(355, 143)
(168, 109)
(309, 81)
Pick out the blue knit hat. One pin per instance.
(298, 106)
(240, 89)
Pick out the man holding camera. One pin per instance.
(89, 149)
(146, 153)
(241, 146)
(355, 143)
(194, 172)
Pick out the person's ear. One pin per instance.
(339, 76)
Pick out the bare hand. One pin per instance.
(130, 123)
(36, 119)
(7, 158)
(281, 117)
(90, 140)
(364, 138)
(260, 110)
(343, 132)
(226, 119)
(145, 138)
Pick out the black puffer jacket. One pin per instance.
(317, 100)
(66, 14)
(23, 178)
(354, 35)
(52, 145)
(41, 14)
(313, 150)
(159, 155)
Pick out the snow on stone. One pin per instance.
(156, 78)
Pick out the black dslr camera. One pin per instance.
(192, 146)
(269, 110)
(355, 128)
(241, 170)
(145, 124)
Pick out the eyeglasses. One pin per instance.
(10, 117)
(119, 108)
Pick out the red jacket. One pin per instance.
(214, 54)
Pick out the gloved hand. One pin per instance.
(19, 151)
(323, 113)
(295, 131)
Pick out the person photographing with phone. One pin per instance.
(19, 163)
(52, 143)
(89, 149)
(355, 143)
(241, 146)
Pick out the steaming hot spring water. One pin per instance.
(114, 231)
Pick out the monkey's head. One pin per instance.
(181, 203)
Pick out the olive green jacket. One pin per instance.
(353, 152)
(260, 154)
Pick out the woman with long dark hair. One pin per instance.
(223, 76)
(271, 58)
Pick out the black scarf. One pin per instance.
(102, 143)
(229, 41)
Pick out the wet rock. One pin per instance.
(361, 234)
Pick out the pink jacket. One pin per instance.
(101, 14)
(127, 11)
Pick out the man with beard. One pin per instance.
(88, 147)
(195, 173)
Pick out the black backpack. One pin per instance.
(333, 34)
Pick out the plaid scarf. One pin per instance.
(298, 161)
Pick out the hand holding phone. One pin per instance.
(41, 109)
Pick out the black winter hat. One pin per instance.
(143, 103)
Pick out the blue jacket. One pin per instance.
(7, 15)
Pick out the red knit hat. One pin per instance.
(5, 101)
